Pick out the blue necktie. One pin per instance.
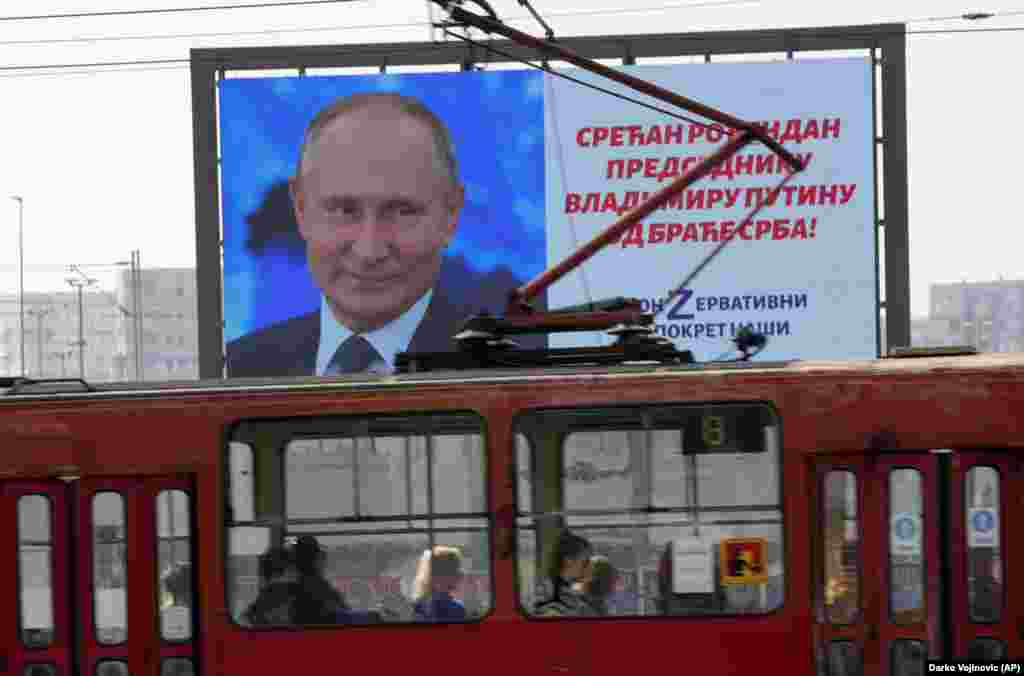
(355, 355)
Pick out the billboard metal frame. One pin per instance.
(885, 44)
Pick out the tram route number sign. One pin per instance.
(905, 533)
(743, 561)
(982, 527)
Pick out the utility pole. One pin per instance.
(39, 314)
(131, 291)
(80, 284)
(140, 363)
(21, 274)
(63, 356)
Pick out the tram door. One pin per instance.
(96, 577)
(911, 557)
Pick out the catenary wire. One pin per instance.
(349, 27)
(171, 10)
(694, 37)
(409, 24)
(552, 71)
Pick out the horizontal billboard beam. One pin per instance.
(596, 47)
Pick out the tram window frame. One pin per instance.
(125, 540)
(50, 545)
(472, 528)
(856, 517)
(972, 582)
(916, 612)
(188, 566)
(603, 418)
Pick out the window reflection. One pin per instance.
(174, 566)
(907, 658)
(906, 555)
(844, 659)
(35, 570)
(842, 548)
(40, 670)
(109, 569)
(177, 666)
(986, 650)
(984, 559)
(111, 668)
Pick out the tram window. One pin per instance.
(177, 666)
(986, 650)
(906, 557)
(680, 503)
(844, 659)
(35, 570)
(907, 657)
(39, 670)
(342, 513)
(111, 668)
(841, 544)
(174, 565)
(984, 559)
(109, 568)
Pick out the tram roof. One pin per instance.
(73, 388)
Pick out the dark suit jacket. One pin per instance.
(288, 348)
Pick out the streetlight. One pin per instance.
(21, 273)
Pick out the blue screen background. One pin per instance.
(497, 123)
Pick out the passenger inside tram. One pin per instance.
(597, 584)
(569, 564)
(295, 591)
(316, 600)
(437, 577)
(273, 606)
(176, 604)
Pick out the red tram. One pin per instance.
(875, 499)
(811, 517)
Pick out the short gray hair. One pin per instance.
(444, 148)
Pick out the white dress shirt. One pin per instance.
(388, 340)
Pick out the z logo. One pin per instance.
(676, 311)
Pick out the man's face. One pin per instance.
(376, 212)
(577, 569)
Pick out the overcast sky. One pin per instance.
(104, 158)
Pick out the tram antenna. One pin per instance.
(547, 29)
(484, 339)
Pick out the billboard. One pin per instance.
(545, 165)
(803, 272)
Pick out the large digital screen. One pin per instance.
(541, 165)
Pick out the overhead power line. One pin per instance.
(171, 10)
(970, 16)
(162, 63)
(181, 67)
(351, 27)
(98, 64)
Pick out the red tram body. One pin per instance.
(886, 503)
